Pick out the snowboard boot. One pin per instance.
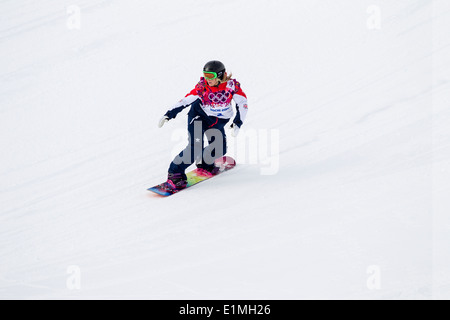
(209, 168)
(177, 181)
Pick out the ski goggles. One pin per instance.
(210, 75)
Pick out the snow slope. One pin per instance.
(341, 190)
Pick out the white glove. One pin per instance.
(235, 130)
(163, 121)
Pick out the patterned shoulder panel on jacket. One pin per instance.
(201, 86)
(234, 85)
(237, 88)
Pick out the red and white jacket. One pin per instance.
(216, 101)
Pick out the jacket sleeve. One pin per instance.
(240, 98)
(186, 101)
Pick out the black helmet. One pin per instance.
(215, 66)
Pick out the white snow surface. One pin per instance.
(355, 205)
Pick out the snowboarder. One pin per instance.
(210, 111)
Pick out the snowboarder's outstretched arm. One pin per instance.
(182, 104)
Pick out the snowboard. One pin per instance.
(195, 176)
